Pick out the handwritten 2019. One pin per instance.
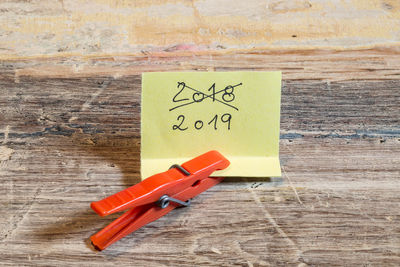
(224, 96)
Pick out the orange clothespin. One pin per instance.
(156, 196)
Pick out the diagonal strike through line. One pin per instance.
(206, 96)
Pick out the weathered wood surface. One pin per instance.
(70, 119)
(108, 27)
(67, 141)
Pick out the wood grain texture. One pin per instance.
(70, 130)
(32, 29)
(69, 138)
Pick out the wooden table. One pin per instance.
(70, 79)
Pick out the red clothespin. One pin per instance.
(156, 196)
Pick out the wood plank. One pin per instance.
(70, 139)
(327, 65)
(70, 119)
(34, 29)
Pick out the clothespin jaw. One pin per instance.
(156, 196)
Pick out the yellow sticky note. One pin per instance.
(185, 114)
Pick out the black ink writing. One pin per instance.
(227, 95)
(213, 91)
(215, 122)
(226, 118)
(180, 84)
(178, 127)
(198, 97)
(199, 124)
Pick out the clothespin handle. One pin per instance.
(170, 182)
(156, 196)
(137, 217)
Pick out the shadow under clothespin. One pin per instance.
(157, 195)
